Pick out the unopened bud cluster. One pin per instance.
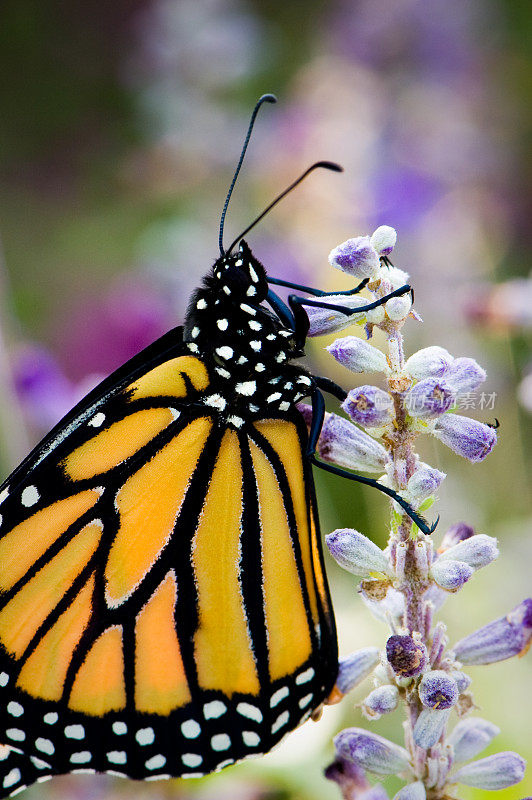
(405, 583)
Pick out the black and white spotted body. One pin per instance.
(248, 347)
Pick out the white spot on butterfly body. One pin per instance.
(4, 678)
(238, 263)
(223, 324)
(75, 732)
(273, 397)
(254, 276)
(11, 778)
(82, 757)
(255, 345)
(281, 357)
(191, 759)
(30, 495)
(270, 337)
(97, 420)
(215, 401)
(223, 372)
(45, 746)
(120, 728)
(195, 332)
(246, 387)
(51, 717)
(15, 709)
(304, 380)
(236, 421)
(284, 406)
(250, 738)
(193, 347)
(190, 730)
(117, 757)
(16, 734)
(226, 289)
(220, 742)
(242, 360)
(249, 711)
(259, 367)
(248, 309)
(305, 677)
(225, 352)
(201, 304)
(305, 700)
(279, 695)
(155, 762)
(214, 709)
(254, 325)
(145, 736)
(4, 494)
(251, 291)
(280, 722)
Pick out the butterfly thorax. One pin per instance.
(245, 345)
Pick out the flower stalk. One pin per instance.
(408, 582)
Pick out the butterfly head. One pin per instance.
(240, 276)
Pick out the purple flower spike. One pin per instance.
(477, 551)
(438, 689)
(413, 791)
(429, 726)
(357, 355)
(494, 772)
(348, 775)
(463, 681)
(451, 575)
(371, 751)
(465, 375)
(356, 553)
(466, 437)
(429, 398)
(455, 534)
(344, 444)
(354, 668)
(380, 701)
(470, 737)
(323, 320)
(369, 406)
(430, 362)
(407, 657)
(501, 639)
(357, 257)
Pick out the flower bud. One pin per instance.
(477, 551)
(451, 575)
(429, 398)
(456, 533)
(356, 257)
(494, 772)
(380, 701)
(392, 607)
(375, 316)
(429, 726)
(355, 667)
(393, 276)
(407, 657)
(466, 437)
(344, 444)
(424, 483)
(356, 553)
(412, 791)
(384, 239)
(398, 308)
(430, 362)
(465, 375)
(437, 689)
(470, 737)
(324, 320)
(463, 681)
(501, 639)
(306, 410)
(369, 406)
(371, 751)
(357, 355)
(348, 775)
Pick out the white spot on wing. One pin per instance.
(246, 387)
(191, 759)
(145, 736)
(45, 746)
(305, 700)
(220, 742)
(4, 494)
(305, 677)
(214, 709)
(120, 728)
(117, 757)
(82, 757)
(155, 762)
(11, 778)
(30, 495)
(15, 709)
(249, 711)
(190, 730)
(16, 734)
(215, 401)
(280, 722)
(279, 695)
(51, 717)
(4, 678)
(75, 732)
(97, 420)
(250, 738)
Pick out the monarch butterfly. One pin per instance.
(164, 609)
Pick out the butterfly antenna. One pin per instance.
(318, 165)
(266, 98)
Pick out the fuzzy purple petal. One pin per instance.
(466, 437)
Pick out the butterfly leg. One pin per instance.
(294, 300)
(318, 416)
(316, 292)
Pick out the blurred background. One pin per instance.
(120, 126)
